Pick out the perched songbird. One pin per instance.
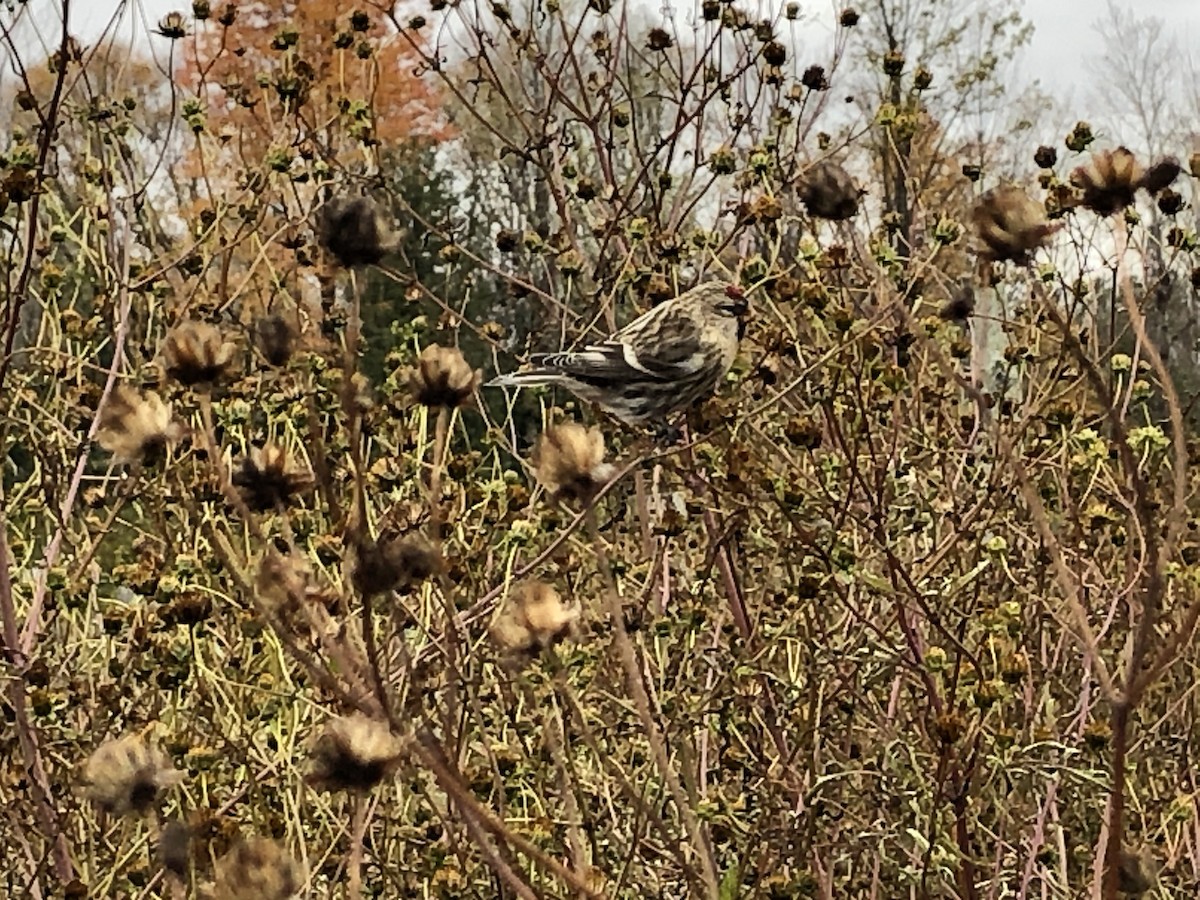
(665, 360)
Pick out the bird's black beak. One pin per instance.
(735, 303)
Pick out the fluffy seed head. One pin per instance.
(282, 582)
(395, 563)
(354, 754)
(126, 775)
(1010, 224)
(1109, 180)
(442, 377)
(196, 353)
(828, 192)
(257, 869)
(266, 479)
(532, 618)
(569, 461)
(353, 230)
(274, 339)
(135, 425)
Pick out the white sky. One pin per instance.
(1063, 39)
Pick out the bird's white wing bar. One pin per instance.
(631, 359)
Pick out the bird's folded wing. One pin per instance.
(627, 361)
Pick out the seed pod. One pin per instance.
(196, 353)
(442, 377)
(258, 869)
(828, 192)
(354, 754)
(126, 775)
(533, 617)
(569, 461)
(1010, 224)
(354, 232)
(1109, 180)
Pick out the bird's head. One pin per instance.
(726, 300)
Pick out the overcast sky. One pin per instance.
(1063, 39)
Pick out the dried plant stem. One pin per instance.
(354, 864)
(432, 755)
(441, 430)
(27, 736)
(633, 678)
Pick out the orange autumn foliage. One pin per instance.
(329, 71)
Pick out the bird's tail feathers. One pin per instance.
(530, 378)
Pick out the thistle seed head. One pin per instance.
(533, 617)
(1109, 180)
(266, 479)
(1010, 224)
(195, 353)
(126, 775)
(569, 461)
(354, 754)
(257, 869)
(135, 425)
(442, 377)
(355, 233)
(275, 339)
(828, 192)
(396, 563)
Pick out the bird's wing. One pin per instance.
(661, 345)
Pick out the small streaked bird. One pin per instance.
(665, 360)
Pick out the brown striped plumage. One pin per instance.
(665, 360)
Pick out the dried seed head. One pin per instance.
(282, 583)
(354, 231)
(196, 353)
(275, 340)
(135, 425)
(442, 377)
(532, 618)
(266, 480)
(257, 869)
(1136, 872)
(1010, 224)
(354, 754)
(1161, 175)
(828, 192)
(569, 461)
(126, 775)
(174, 848)
(1109, 180)
(396, 563)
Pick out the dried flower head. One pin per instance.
(174, 847)
(354, 231)
(1010, 224)
(396, 563)
(354, 754)
(126, 775)
(275, 339)
(828, 192)
(136, 425)
(1109, 181)
(266, 479)
(172, 26)
(196, 353)
(1161, 175)
(282, 582)
(257, 869)
(533, 617)
(569, 461)
(442, 377)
